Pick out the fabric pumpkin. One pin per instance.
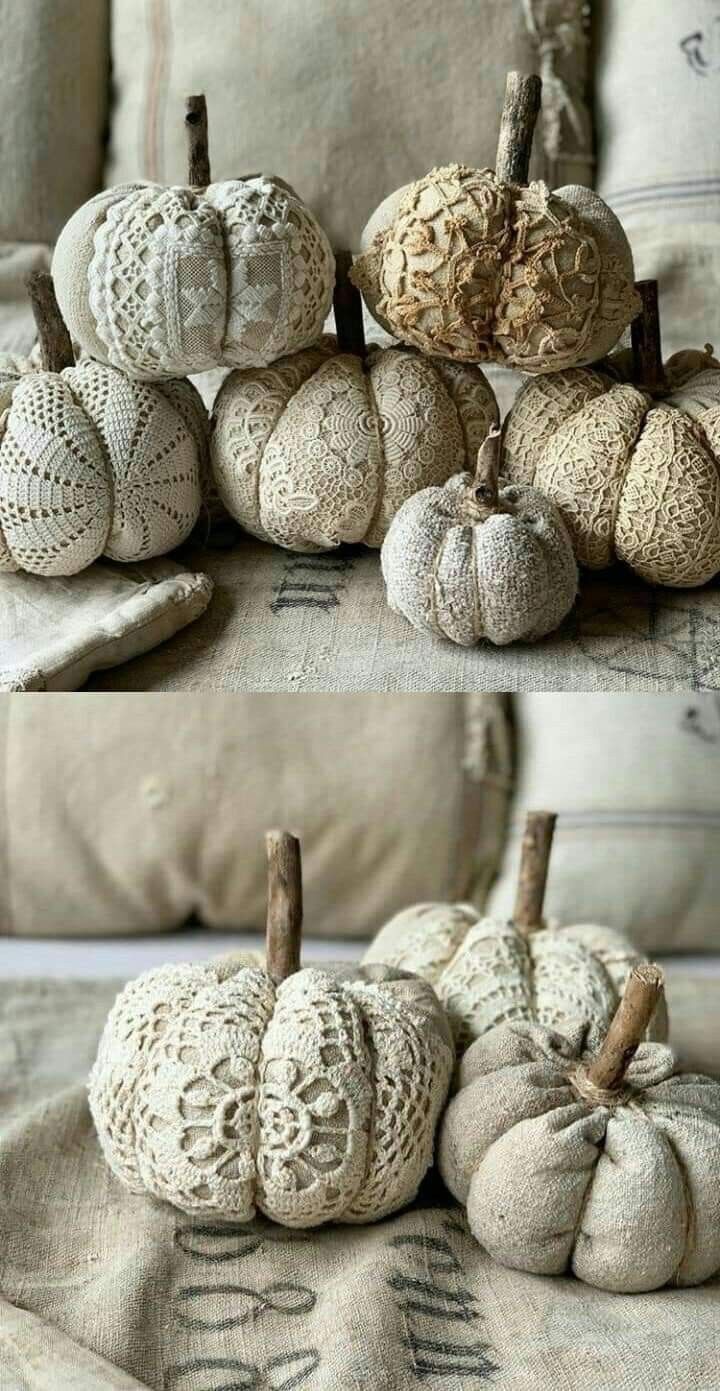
(224, 1088)
(634, 469)
(323, 447)
(164, 282)
(486, 972)
(616, 1183)
(479, 266)
(93, 464)
(480, 558)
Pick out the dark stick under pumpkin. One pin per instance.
(347, 308)
(648, 370)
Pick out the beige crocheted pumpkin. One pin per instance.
(163, 282)
(311, 1095)
(324, 446)
(480, 558)
(93, 464)
(605, 1166)
(479, 266)
(486, 972)
(630, 453)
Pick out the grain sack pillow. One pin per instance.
(636, 781)
(365, 98)
(661, 175)
(54, 89)
(142, 813)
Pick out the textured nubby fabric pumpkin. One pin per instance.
(629, 451)
(91, 463)
(311, 1095)
(163, 282)
(487, 972)
(324, 446)
(481, 266)
(606, 1165)
(480, 558)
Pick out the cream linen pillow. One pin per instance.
(130, 815)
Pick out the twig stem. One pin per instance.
(627, 1028)
(56, 350)
(532, 875)
(284, 907)
(523, 95)
(196, 125)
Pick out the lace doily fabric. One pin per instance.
(635, 478)
(312, 1102)
(621, 1189)
(464, 266)
(165, 282)
(487, 973)
(507, 578)
(94, 464)
(321, 449)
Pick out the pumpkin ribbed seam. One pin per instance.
(106, 457)
(434, 619)
(690, 1225)
(372, 1055)
(623, 478)
(281, 413)
(382, 460)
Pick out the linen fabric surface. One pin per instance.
(360, 102)
(142, 813)
(101, 1288)
(636, 782)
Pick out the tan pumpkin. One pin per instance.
(164, 282)
(481, 266)
(92, 463)
(323, 447)
(235, 1085)
(601, 1163)
(629, 451)
(487, 972)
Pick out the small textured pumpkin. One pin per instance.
(311, 1095)
(605, 1166)
(482, 267)
(91, 463)
(324, 446)
(630, 453)
(164, 282)
(480, 558)
(487, 972)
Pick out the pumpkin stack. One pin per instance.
(310, 1095)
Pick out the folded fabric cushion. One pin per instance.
(141, 813)
(636, 781)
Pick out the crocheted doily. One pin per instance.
(91, 464)
(635, 478)
(464, 266)
(320, 449)
(316, 1100)
(508, 578)
(165, 282)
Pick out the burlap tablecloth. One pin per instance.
(101, 1289)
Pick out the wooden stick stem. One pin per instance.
(196, 126)
(56, 349)
(648, 367)
(523, 95)
(347, 306)
(628, 1027)
(532, 876)
(284, 908)
(487, 470)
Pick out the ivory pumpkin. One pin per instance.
(597, 1165)
(91, 463)
(324, 446)
(632, 460)
(481, 266)
(487, 972)
(480, 558)
(164, 282)
(311, 1095)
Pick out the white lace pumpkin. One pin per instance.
(312, 1099)
(465, 564)
(164, 282)
(94, 464)
(488, 972)
(479, 266)
(617, 1184)
(324, 447)
(634, 472)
